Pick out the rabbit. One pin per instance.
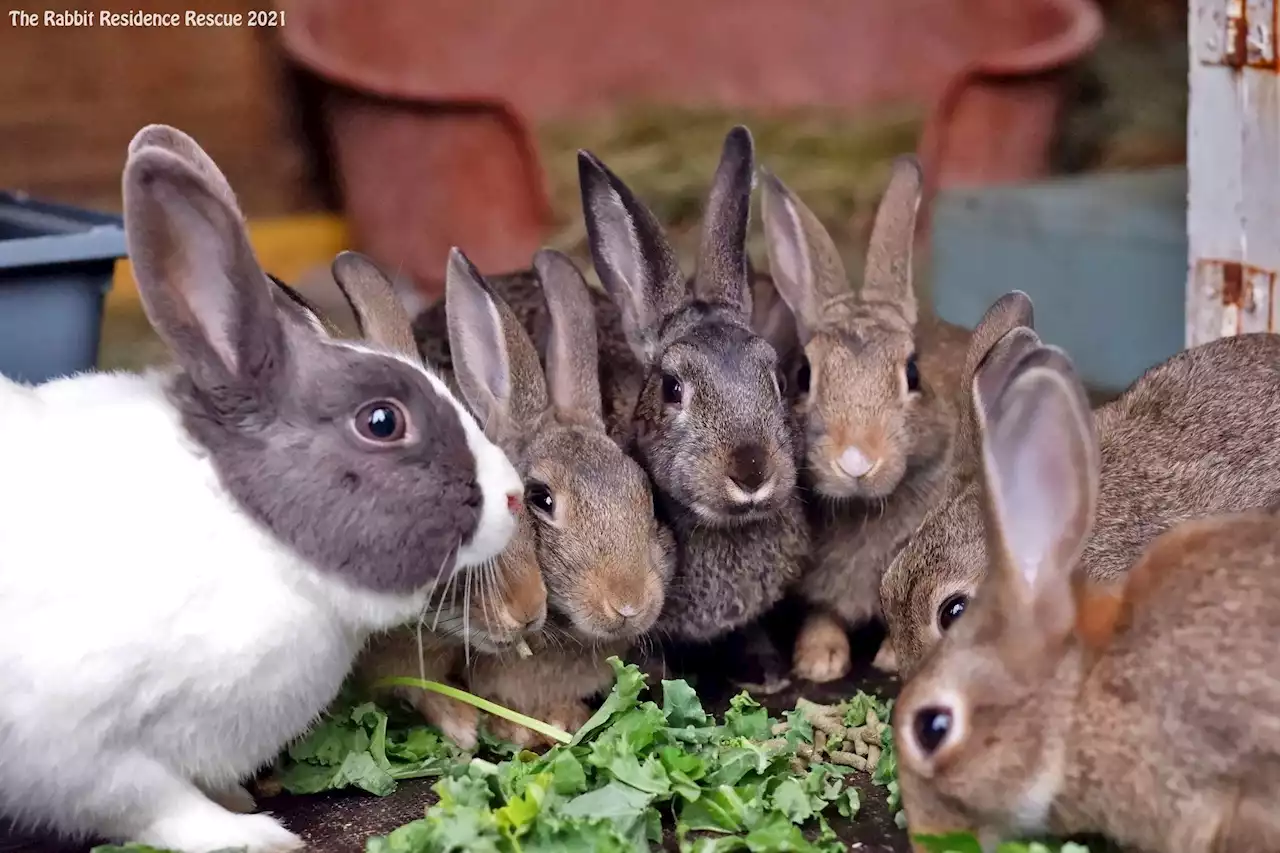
(692, 391)
(224, 535)
(501, 601)
(874, 389)
(695, 396)
(1193, 436)
(589, 509)
(1141, 707)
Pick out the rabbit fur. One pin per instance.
(873, 391)
(1068, 700)
(1193, 436)
(589, 514)
(214, 614)
(739, 547)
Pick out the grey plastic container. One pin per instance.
(1103, 257)
(56, 265)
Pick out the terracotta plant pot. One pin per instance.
(427, 95)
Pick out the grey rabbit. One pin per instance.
(691, 390)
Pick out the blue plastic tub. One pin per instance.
(1103, 257)
(56, 264)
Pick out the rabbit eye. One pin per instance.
(952, 609)
(538, 496)
(802, 376)
(931, 727)
(913, 374)
(672, 390)
(381, 422)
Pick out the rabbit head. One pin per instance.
(931, 580)
(350, 453)
(981, 727)
(589, 515)
(870, 413)
(501, 601)
(710, 424)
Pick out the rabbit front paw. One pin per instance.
(458, 721)
(822, 649)
(233, 798)
(214, 829)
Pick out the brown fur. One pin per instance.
(1156, 730)
(735, 561)
(857, 344)
(1193, 436)
(604, 558)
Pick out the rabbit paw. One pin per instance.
(570, 716)
(458, 721)
(822, 649)
(517, 735)
(209, 830)
(886, 658)
(233, 798)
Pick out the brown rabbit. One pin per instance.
(691, 390)
(605, 558)
(1193, 436)
(1144, 709)
(874, 392)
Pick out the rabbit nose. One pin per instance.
(748, 467)
(855, 463)
(626, 610)
(534, 622)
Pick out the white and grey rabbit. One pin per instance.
(190, 559)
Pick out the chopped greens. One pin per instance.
(363, 746)
(747, 782)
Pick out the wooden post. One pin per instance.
(1233, 170)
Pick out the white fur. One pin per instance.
(156, 642)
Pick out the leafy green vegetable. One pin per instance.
(730, 785)
(361, 747)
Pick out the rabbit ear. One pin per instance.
(176, 142)
(771, 317)
(1040, 463)
(722, 256)
(299, 309)
(1003, 335)
(380, 316)
(1007, 313)
(573, 370)
(888, 278)
(495, 362)
(636, 264)
(806, 266)
(200, 284)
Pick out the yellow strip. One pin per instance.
(286, 247)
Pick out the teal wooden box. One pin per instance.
(1103, 257)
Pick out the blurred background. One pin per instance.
(403, 127)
